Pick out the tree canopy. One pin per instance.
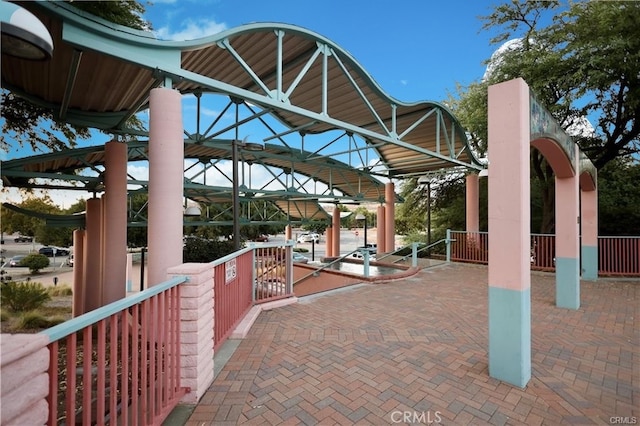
(582, 60)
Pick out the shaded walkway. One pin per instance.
(417, 347)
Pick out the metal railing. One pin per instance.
(119, 364)
(617, 256)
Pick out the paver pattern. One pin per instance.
(415, 351)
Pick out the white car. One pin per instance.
(299, 258)
(308, 237)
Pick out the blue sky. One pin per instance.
(416, 50)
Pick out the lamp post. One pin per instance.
(422, 181)
(361, 216)
(235, 145)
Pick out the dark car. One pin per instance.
(261, 238)
(48, 251)
(23, 239)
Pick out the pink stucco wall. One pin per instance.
(25, 383)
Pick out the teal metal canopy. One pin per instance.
(323, 117)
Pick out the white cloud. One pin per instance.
(191, 30)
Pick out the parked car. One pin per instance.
(48, 251)
(261, 238)
(15, 260)
(23, 239)
(70, 260)
(308, 237)
(299, 258)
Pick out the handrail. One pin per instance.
(325, 266)
(74, 325)
(444, 240)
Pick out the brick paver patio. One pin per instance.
(415, 351)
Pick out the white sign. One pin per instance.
(230, 271)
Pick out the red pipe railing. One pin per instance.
(119, 364)
(233, 278)
(619, 256)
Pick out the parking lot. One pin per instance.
(11, 248)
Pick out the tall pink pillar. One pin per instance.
(166, 174)
(380, 230)
(589, 223)
(77, 304)
(568, 239)
(92, 253)
(390, 217)
(336, 232)
(329, 242)
(473, 202)
(115, 224)
(509, 233)
(288, 235)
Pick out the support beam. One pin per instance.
(509, 223)
(166, 165)
(568, 240)
(589, 225)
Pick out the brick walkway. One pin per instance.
(415, 351)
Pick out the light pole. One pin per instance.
(235, 145)
(422, 181)
(361, 216)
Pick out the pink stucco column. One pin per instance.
(336, 232)
(589, 223)
(287, 233)
(473, 202)
(509, 233)
(92, 253)
(166, 174)
(568, 239)
(380, 231)
(115, 224)
(77, 304)
(389, 217)
(329, 242)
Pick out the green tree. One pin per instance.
(585, 62)
(29, 124)
(35, 262)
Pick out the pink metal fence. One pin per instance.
(619, 256)
(469, 247)
(256, 275)
(616, 255)
(273, 273)
(233, 278)
(119, 364)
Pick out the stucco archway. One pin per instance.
(518, 121)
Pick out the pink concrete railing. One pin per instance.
(616, 255)
(119, 364)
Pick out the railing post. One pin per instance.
(365, 254)
(414, 254)
(448, 244)
(196, 328)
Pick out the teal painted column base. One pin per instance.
(567, 283)
(510, 335)
(589, 263)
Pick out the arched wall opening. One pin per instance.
(516, 122)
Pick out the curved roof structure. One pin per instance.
(101, 75)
